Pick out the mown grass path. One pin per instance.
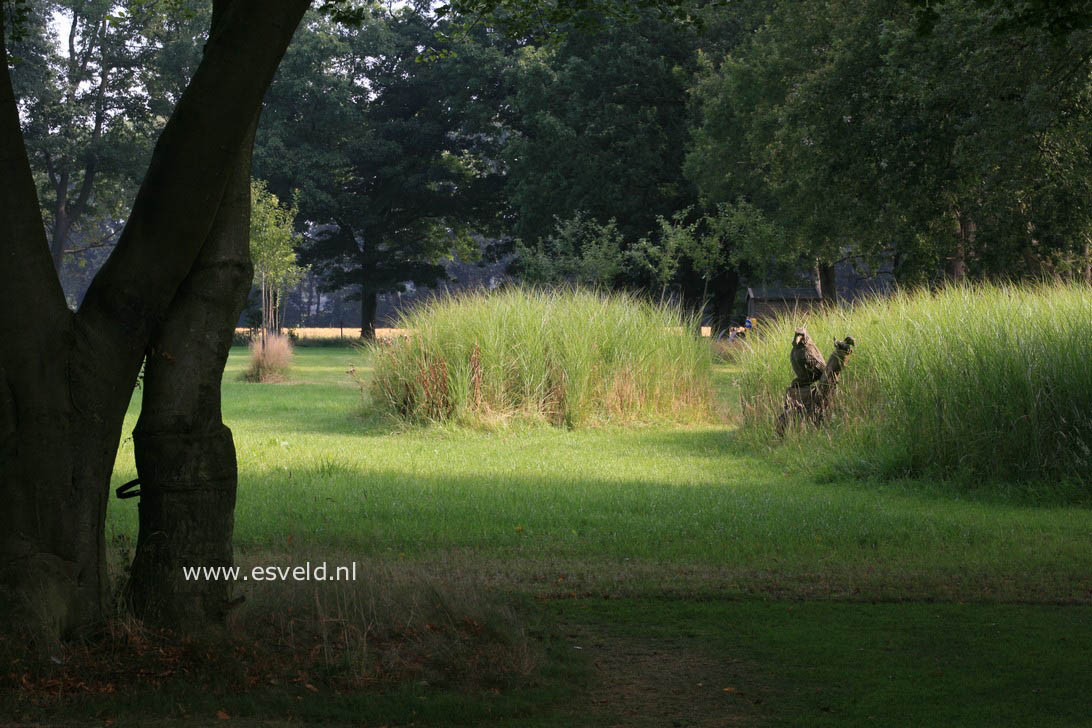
(680, 553)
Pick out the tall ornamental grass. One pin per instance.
(270, 359)
(568, 358)
(988, 382)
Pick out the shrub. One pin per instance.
(976, 381)
(242, 338)
(567, 358)
(324, 337)
(270, 359)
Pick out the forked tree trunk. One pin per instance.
(66, 380)
(185, 455)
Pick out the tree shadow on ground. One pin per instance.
(826, 470)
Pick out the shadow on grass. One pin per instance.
(838, 664)
(634, 662)
(772, 535)
(830, 469)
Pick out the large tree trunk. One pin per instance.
(67, 379)
(185, 455)
(47, 584)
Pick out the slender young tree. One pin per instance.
(273, 252)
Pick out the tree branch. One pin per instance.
(181, 192)
(106, 241)
(26, 270)
(67, 217)
(72, 44)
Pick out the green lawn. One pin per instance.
(317, 473)
(813, 601)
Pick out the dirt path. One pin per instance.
(661, 682)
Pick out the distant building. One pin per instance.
(461, 277)
(310, 305)
(853, 283)
(768, 302)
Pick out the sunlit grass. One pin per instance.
(618, 507)
(818, 600)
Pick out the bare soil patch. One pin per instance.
(661, 682)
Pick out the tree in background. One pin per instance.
(696, 247)
(96, 82)
(600, 126)
(655, 259)
(87, 106)
(580, 251)
(404, 171)
(963, 149)
(273, 253)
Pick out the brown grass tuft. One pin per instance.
(435, 402)
(270, 359)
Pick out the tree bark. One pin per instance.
(185, 454)
(40, 565)
(828, 283)
(957, 262)
(67, 379)
(369, 303)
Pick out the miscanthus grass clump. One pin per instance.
(270, 359)
(567, 358)
(987, 382)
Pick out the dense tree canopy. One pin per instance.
(964, 148)
(600, 128)
(88, 102)
(394, 154)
